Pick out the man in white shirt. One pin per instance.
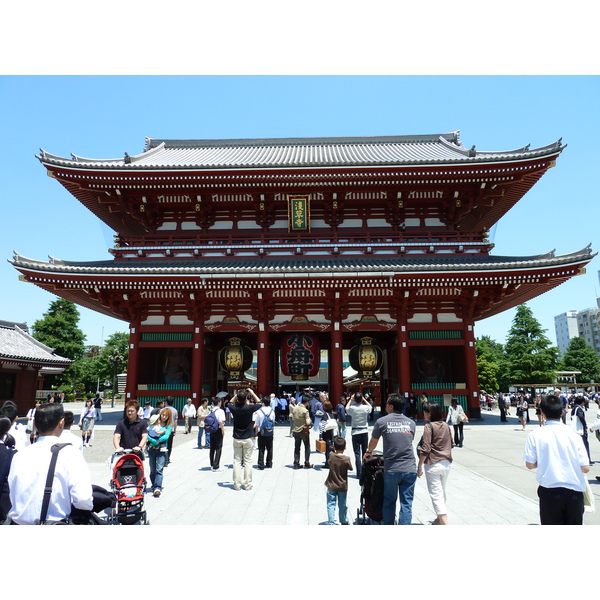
(561, 460)
(67, 436)
(189, 412)
(71, 486)
(359, 410)
(216, 437)
(265, 437)
(17, 430)
(147, 410)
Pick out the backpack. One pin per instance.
(267, 425)
(211, 423)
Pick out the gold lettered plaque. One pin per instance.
(299, 212)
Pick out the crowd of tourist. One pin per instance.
(149, 431)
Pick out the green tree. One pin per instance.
(117, 341)
(94, 368)
(58, 329)
(580, 357)
(487, 373)
(492, 365)
(531, 357)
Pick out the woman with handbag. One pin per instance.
(579, 424)
(30, 429)
(457, 416)
(538, 410)
(435, 458)
(522, 410)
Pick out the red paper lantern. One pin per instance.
(300, 356)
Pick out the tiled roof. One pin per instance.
(302, 152)
(305, 265)
(17, 345)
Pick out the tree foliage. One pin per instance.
(91, 368)
(580, 357)
(58, 329)
(95, 368)
(530, 354)
(492, 365)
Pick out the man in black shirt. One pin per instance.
(132, 431)
(243, 432)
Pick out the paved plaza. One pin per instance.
(488, 485)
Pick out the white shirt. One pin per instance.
(260, 414)
(27, 479)
(21, 436)
(220, 414)
(360, 416)
(454, 414)
(68, 437)
(189, 410)
(559, 453)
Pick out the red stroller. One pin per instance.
(129, 485)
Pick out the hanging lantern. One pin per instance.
(300, 356)
(235, 359)
(366, 358)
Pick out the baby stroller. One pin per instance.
(371, 493)
(129, 485)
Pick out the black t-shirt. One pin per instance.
(131, 433)
(243, 425)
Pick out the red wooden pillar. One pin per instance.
(404, 383)
(197, 365)
(262, 360)
(133, 361)
(25, 386)
(471, 370)
(336, 363)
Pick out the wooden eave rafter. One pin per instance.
(488, 190)
(124, 296)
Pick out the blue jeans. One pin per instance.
(395, 484)
(201, 431)
(340, 497)
(157, 460)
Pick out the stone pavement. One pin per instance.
(488, 485)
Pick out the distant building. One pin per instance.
(588, 325)
(578, 323)
(565, 326)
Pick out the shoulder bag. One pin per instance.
(56, 448)
(576, 423)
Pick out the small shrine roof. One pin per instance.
(17, 345)
(373, 265)
(160, 154)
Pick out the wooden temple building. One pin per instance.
(286, 247)
(23, 364)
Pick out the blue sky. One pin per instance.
(105, 116)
